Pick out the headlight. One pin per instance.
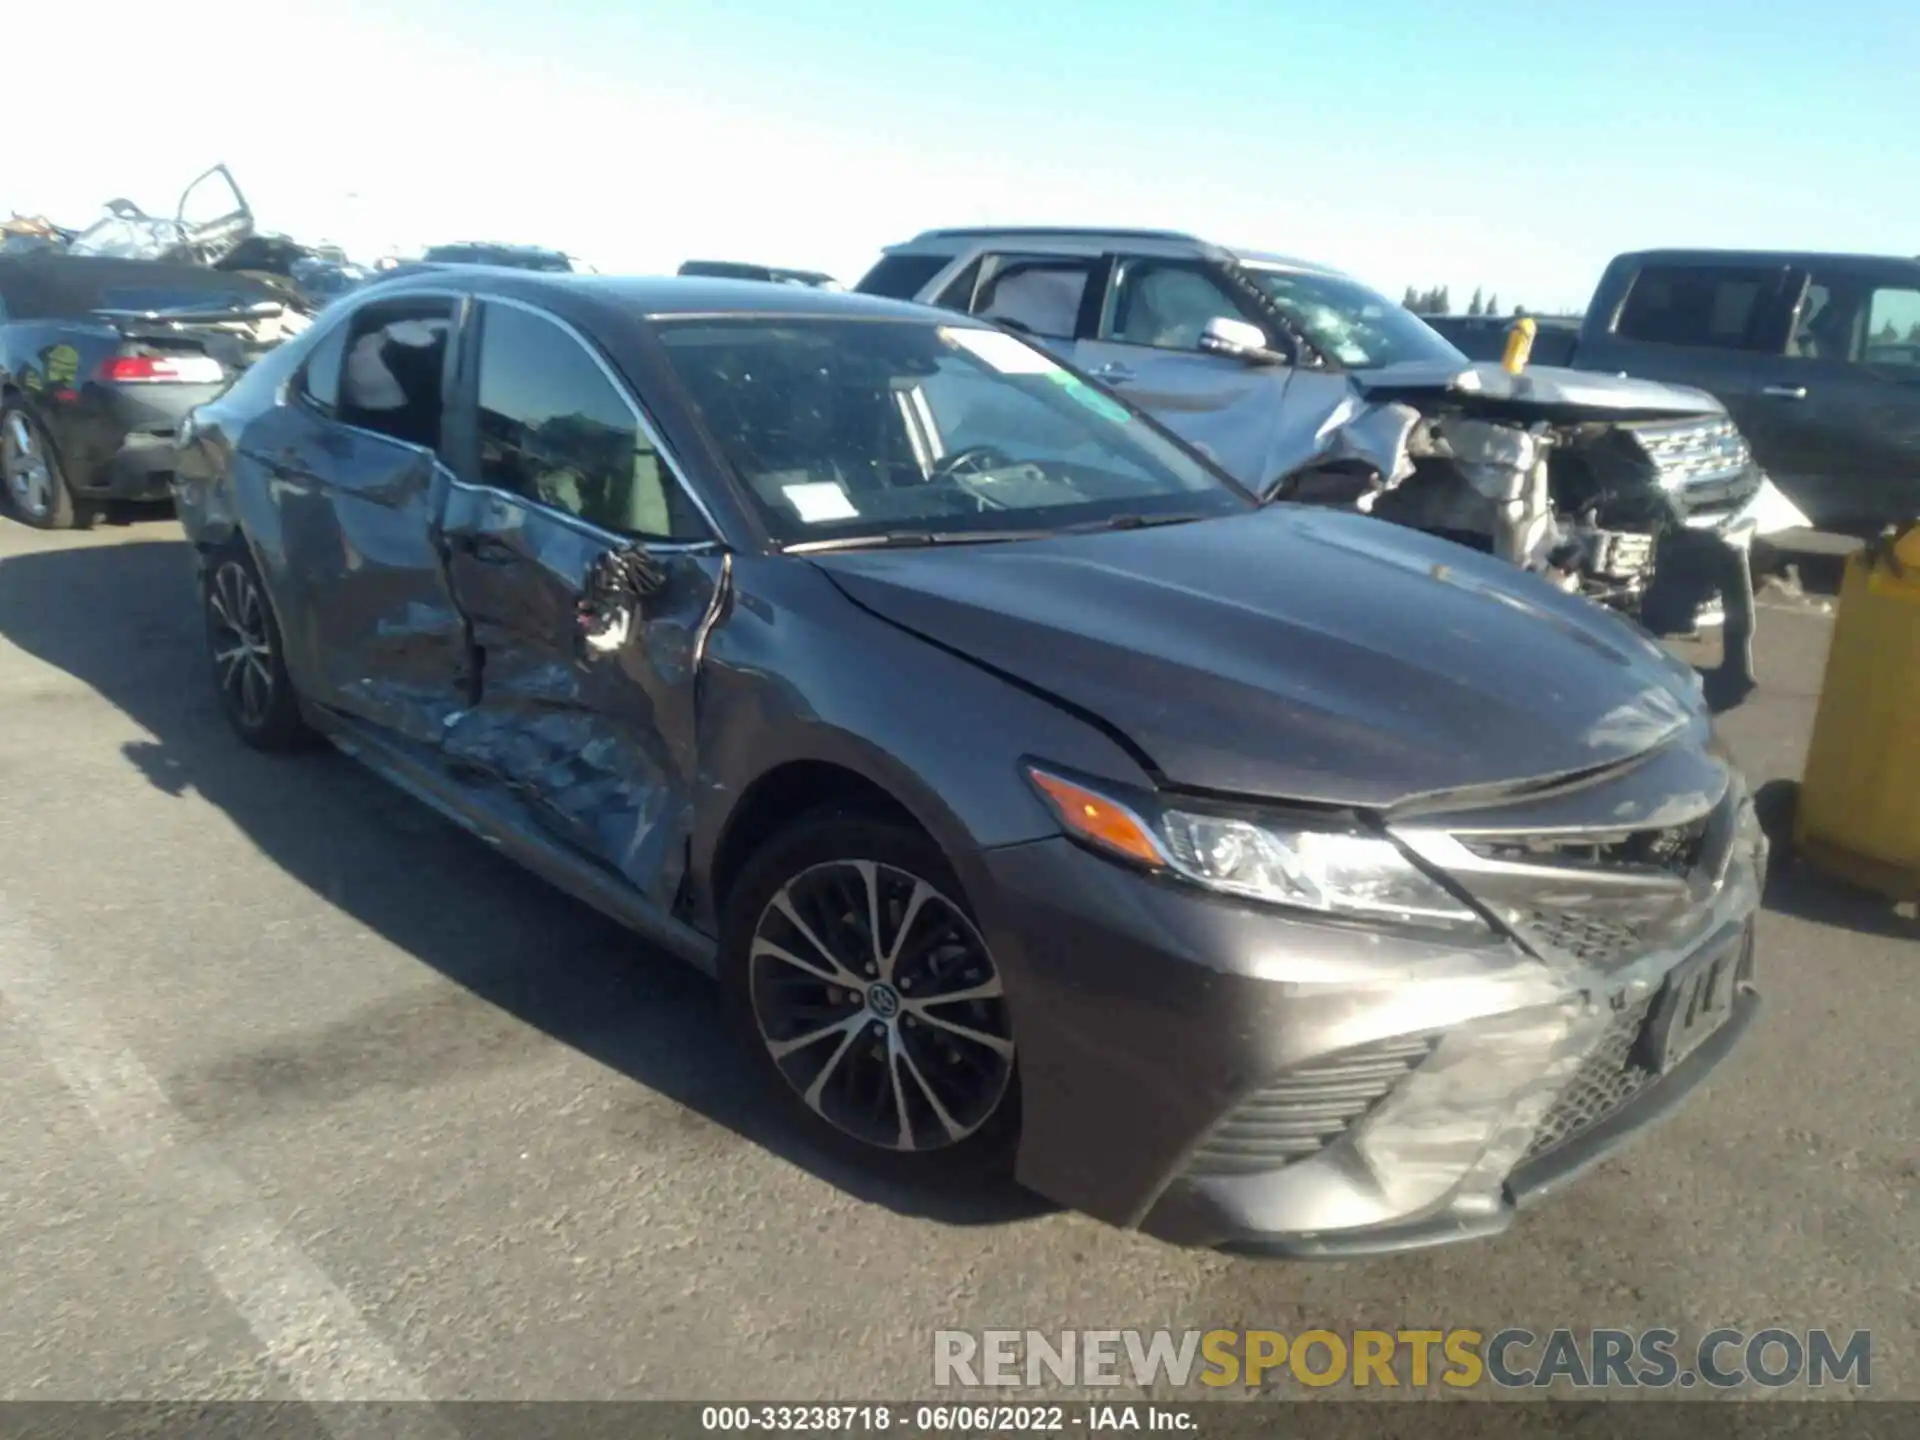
(1343, 872)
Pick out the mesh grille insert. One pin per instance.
(1605, 1081)
(1584, 937)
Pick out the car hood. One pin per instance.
(1548, 391)
(1295, 653)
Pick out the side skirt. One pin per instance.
(498, 824)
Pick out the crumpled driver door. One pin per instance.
(584, 703)
(586, 639)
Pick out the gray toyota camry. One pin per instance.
(1262, 877)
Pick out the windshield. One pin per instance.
(1360, 329)
(849, 428)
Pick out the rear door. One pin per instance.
(561, 469)
(1836, 418)
(359, 481)
(1048, 298)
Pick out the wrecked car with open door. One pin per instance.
(1038, 796)
(213, 225)
(211, 219)
(99, 360)
(1308, 386)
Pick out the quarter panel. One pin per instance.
(794, 672)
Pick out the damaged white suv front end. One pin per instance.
(1590, 480)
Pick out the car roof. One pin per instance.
(1172, 243)
(1679, 255)
(663, 296)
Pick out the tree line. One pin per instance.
(1437, 301)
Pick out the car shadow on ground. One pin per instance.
(125, 623)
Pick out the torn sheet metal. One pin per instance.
(617, 587)
(583, 708)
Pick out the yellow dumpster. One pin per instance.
(1858, 816)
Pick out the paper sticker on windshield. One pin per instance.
(1105, 406)
(819, 502)
(1001, 352)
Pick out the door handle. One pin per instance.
(1114, 374)
(1784, 392)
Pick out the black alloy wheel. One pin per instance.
(243, 643)
(869, 991)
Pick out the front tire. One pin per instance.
(244, 647)
(863, 987)
(36, 484)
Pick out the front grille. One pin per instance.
(1694, 452)
(1584, 937)
(1705, 462)
(1673, 849)
(1307, 1109)
(1606, 1080)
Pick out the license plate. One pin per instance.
(1696, 1001)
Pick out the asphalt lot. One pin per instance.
(307, 1093)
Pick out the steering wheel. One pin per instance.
(970, 461)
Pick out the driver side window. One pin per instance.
(555, 429)
(1164, 304)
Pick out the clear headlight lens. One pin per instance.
(1335, 872)
(1332, 872)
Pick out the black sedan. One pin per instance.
(99, 360)
(1264, 877)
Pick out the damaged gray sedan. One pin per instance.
(1038, 797)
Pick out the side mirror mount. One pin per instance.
(613, 596)
(1239, 340)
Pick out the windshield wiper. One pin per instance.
(912, 540)
(1132, 522)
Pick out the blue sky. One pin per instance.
(1513, 145)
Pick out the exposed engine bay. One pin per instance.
(1599, 483)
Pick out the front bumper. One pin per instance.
(1177, 1046)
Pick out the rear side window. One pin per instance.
(1042, 297)
(319, 380)
(901, 277)
(958, 294)
(1893, 329)
(393, 381)
(1715, 307)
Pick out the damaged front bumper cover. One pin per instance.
(1314, 1098)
